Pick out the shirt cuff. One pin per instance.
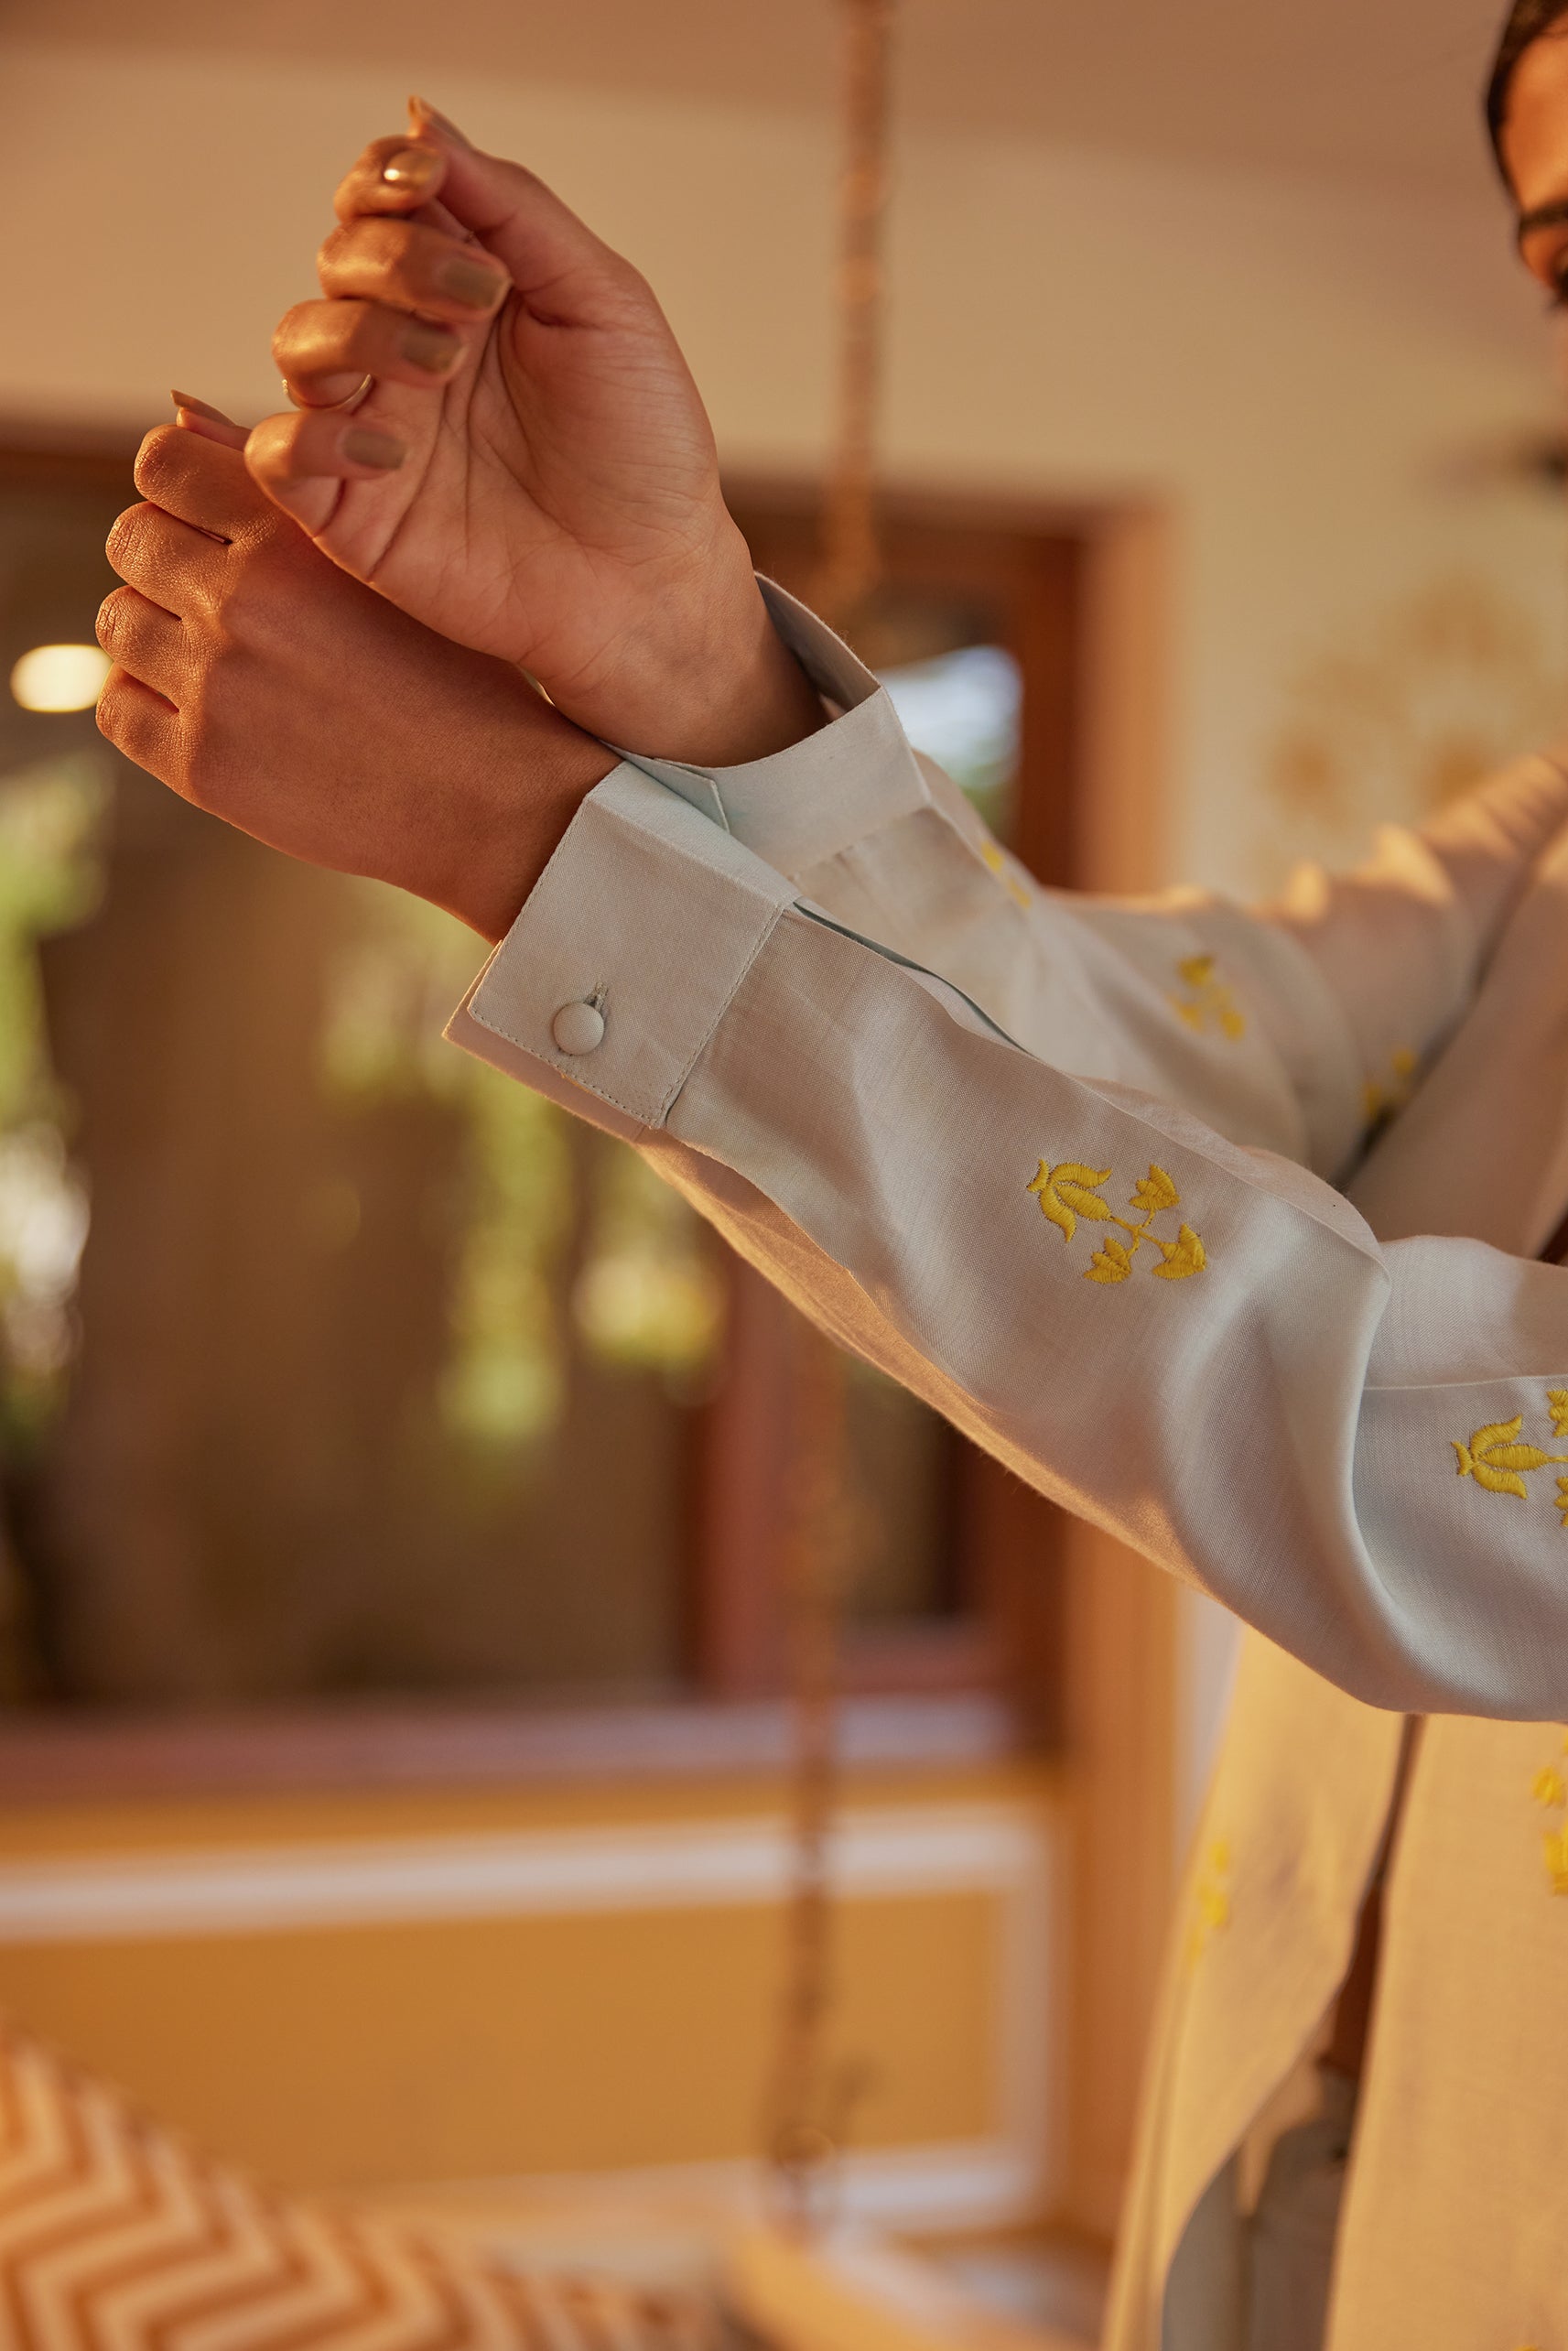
(803, 805)
(625, 956)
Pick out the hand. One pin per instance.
(531, 471)
(263, 684)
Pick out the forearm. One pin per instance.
(1401, 944)
(1202, 1349)
(1298, 1025)
(529, 779)
(1186, 998)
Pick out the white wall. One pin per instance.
(1291, 368)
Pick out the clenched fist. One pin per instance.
(529, 467)
(265, 685)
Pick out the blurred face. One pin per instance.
(1535, 150)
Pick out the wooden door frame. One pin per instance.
(1117, 1617)
(1121, 1619)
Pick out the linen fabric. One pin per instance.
(1450, 2224)
(1050, 1180)
(852, 1032)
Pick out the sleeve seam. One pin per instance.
(708, 1034)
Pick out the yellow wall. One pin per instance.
(567, 2036)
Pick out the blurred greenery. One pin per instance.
(646, 1296)
(51, 876)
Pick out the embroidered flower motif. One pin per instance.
(1066, 1193)
(1555, 1850)
(1155, 1193)
(1211, 1900)
(1383, 1099)
(996, 861)
(1496, 1462)
(1557, 1405)
(1112, 1262)
(1185, 1255)
(1210, 999)
(1067, 1196)
(1550, 1789)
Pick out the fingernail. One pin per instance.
(470, 282)
(363, 446)
(430, 347)
(423, 115)
(199, 407)
(411, 167)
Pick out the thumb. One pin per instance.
(557, 264)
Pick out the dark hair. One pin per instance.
(1527, 21)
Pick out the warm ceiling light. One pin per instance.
(60, 676)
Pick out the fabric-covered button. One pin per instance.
(578, 1028)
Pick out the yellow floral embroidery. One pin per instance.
(1497, 1462)
(1208, 998)
(1383, 1099)
(1111, 1261)
(1550, 1789)
(1068, 1198)
(1185, 1255)
(1066, 1193)
(1557, 1405)
(994, 861)
(1154, 1193)
(1211, 1900)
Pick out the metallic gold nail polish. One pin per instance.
(429, 347)
(411, 169)
(470, 282)
(364, 447)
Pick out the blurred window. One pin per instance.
(332, 1362)
(964, 708)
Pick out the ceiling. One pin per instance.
(1384, 89)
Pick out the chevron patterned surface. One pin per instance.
(117, 2236)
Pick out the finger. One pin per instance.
(394, 175)
(172, 563)
(208, 423)
(200, 480)
(301, 458)
(145, 640)
(544, 248)
(411, 267)
(139, 722)
(325, 349)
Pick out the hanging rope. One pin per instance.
(811, 2096)
(850, 559)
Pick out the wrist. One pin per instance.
(716, 687)
(502, 846)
